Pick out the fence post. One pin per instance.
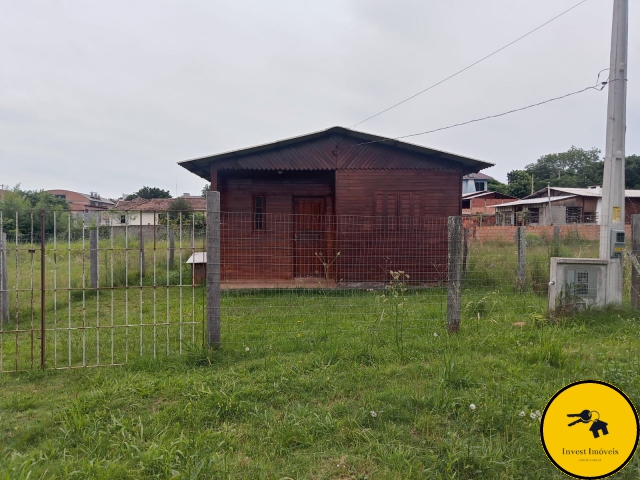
(93, 258)
(454, 293)
(213, 269)
(522, 256)
(172, 247)
(43, 290)
(4, 280)
(635, 250)
(141, 245)
(465, 251)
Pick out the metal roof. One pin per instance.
(534, 201)
(470, 195)
(332, 149)
(583, 192)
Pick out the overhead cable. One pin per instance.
(470, 66)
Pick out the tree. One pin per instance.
(632, 172)
(205, 189)
(149, 193)
(26, 206)
(496, 186)
(519, 183)
(574, 168)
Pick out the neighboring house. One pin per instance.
(561, 206)
(475, 182)
(142, 211)
(483, 202)
(367, 203)
(90, 208)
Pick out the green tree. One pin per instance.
(149, 193)
(574, 168)
(496, 186)
(181, 211)
(632, 172)
(519, 183)
(25, 205)
(205, 189)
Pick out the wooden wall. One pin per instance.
(237, 189)
(383, 220)
(441, 190)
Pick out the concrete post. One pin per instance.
(454, 285)
(522, 256)
(213, 269)
(635, 250)
(613, 182)
(465, 251)
(172, 247)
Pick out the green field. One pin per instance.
(311, 383)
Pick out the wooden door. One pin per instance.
(309, 236)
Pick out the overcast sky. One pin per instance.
(108, 96)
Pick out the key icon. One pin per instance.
(584, 417)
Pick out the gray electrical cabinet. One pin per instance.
(617, 243)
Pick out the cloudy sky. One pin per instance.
(109, 96)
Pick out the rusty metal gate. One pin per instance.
(91, 290)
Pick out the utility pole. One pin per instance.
(612, 212)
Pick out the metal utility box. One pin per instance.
(582, 282)
(617, 243)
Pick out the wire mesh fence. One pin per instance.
(81, 295)
(100, 295)
(312, 282)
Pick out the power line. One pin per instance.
(596, 87)
(470, 66)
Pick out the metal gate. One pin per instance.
(82, 291)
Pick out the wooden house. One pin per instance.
(338, 205)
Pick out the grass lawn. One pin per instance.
(377, 399)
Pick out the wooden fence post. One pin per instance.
(172, 247)
(213, 269)
(454, 290)
(4, 280)
(93, 258)
(522, 256)
(635, 250)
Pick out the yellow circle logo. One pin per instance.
(589, 429)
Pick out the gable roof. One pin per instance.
(332, 149)
(478, 176)
(158, 204)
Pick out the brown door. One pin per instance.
(309, 236)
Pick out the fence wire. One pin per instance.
(109, 292)
(289, 283)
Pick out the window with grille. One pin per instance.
(258, 212)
